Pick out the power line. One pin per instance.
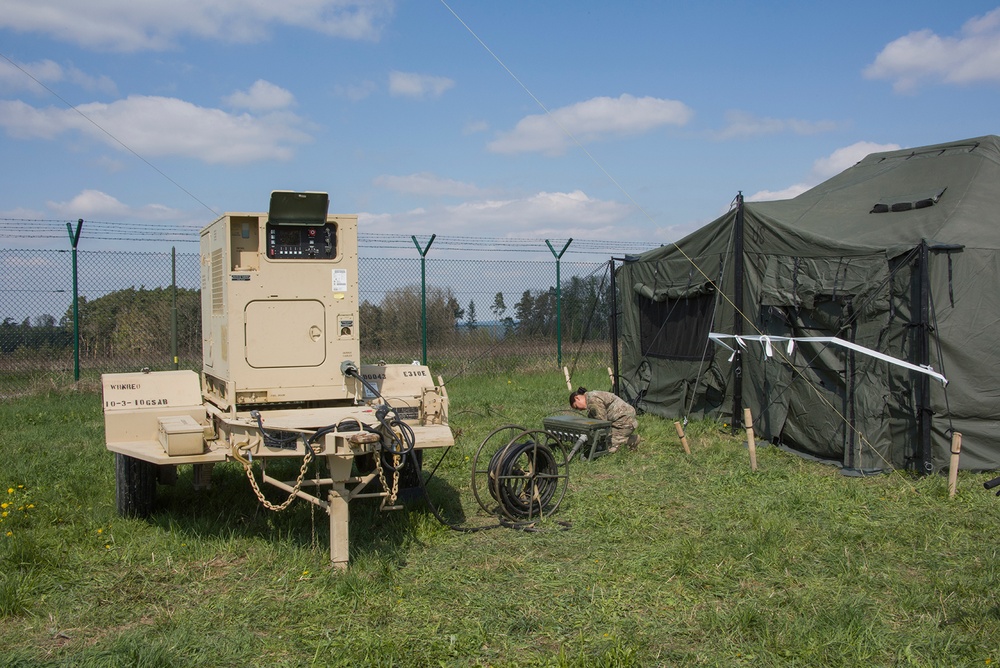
(106, 132)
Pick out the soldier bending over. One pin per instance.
(609, 407)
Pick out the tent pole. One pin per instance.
(924, 412)
(738, 312)
(854, 457)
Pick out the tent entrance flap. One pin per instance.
(841, 415)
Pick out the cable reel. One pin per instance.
(521, 474)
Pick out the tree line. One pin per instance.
(137, 321)
(396, 319)
(125, 323)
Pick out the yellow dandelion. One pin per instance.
(10, 490)
(107, 546)
(31, 505)
(9, 534)
(100, 531)
(3, 514)
(4, 505)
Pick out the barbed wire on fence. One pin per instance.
(13, 228)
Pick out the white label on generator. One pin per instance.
(340, 280)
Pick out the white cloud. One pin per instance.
(24, 76)
(426, 184)
(161, 126)
(128, 26)
(589, 121)
(741, 124)
(262, 96)
(91, 204)
(33, 76)
(786, 193)
(410, 84)
(102, 83)
(972, 56)
(845, 157)
(355, 92)
(825, 168)
(475, 127)
(110, 164)
(555, 215)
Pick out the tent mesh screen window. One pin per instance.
(675, 328)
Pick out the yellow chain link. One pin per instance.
(395, 478)
(295, 491)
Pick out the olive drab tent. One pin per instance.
(859, 321)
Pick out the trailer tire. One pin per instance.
(135, 486)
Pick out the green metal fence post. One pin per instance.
(423, 293)
(74, 238)
(173, 305)
(558, 257)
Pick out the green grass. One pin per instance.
(670, 559)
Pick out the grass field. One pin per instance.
(671, 560)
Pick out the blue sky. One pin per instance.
(625, 121)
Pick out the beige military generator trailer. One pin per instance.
(281, 376)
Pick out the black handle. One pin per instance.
(990, 484)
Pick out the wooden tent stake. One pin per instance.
(751, 445)
(569, 385)
(956, 450)
(684, 441)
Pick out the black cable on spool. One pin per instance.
(519, 494)
(520, 526)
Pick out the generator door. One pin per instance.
(285, 333)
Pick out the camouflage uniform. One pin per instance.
(609, 407)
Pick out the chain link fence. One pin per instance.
(482, 316)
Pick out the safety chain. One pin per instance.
(395, 478)
(295, 491)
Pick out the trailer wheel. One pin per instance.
(135, 486)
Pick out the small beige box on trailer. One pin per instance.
(181, 435)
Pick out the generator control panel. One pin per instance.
(300, 242)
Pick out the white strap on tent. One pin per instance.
(766, 341)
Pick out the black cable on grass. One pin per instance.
(408, 452)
